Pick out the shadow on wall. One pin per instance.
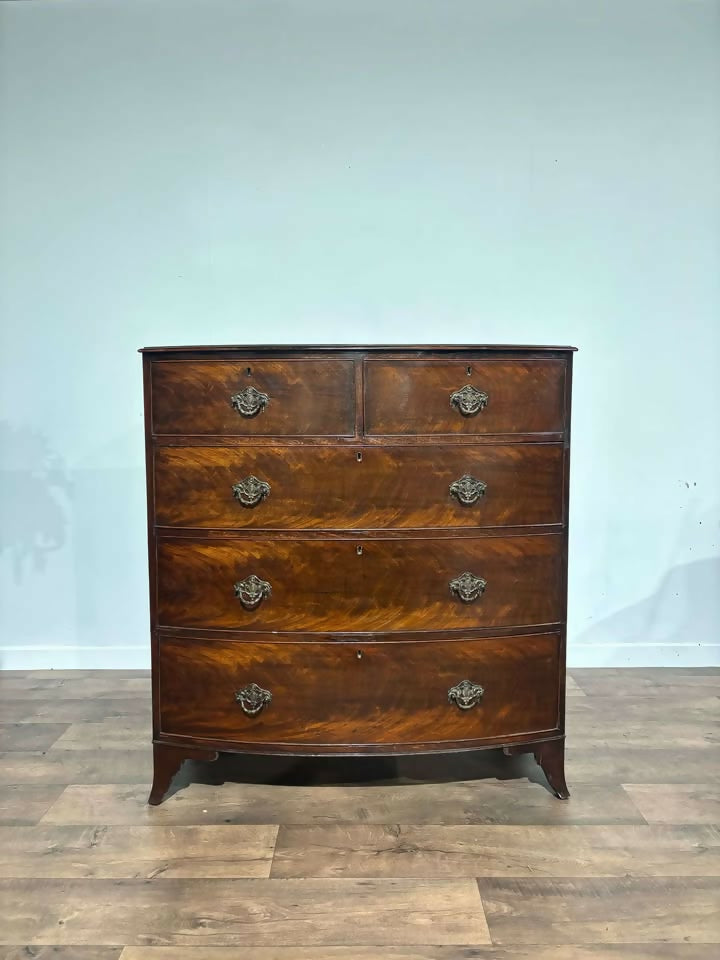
(688, 594)
(33, 489)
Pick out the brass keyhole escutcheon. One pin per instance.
(359, 456)
(358, 550)
(359, 654)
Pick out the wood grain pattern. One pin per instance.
(323, 446)
(56, 852)
(279, 799)
(30, 736)
(598, 951)
(390, 487)
(647, 722)
(589, 879)
(24, 803)
(60, 711)
(359, 693)
(636, 683)
(324, 585)
(617, 763)
(62, 767)
(117, 733)
(74, 688)
(241, 912)
(53, 952)
(679, 803)
(307, 397)
(614, 910)
(361, 850)
(413, 396)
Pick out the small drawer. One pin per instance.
(370, 487)
(355, 585)
(459, 397)
(252, 398)
(360, 693)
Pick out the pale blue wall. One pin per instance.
(232, 171)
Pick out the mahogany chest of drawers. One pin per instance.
(357, 550)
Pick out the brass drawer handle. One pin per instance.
(467, 587)
(249, 402)
(468, 400)
(465, 694)
(250, 491)
(252, 699)
(252, 591)
(467, 490)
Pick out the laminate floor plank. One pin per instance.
(626, 764)
(58, 852)
(516, 802)
(124, 733)
(74, 688)
(241, 913)
(618, 732)
(29, 737)
(83, 674)
(703, 706)
(603, 951)
(23, 804)
(576, 911)
(572, 688)
(685, 803)
(448, 857)
(79, 710)
(27, 952)
(638, 682)
(370, 850)
(69, 766)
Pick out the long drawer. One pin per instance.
(345, 487)
(254, 398)
(359, 693)
(360, 584)
(464, 397)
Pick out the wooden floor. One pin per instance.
(431, 858)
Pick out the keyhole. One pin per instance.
(249, 371)
(359, 456)
(469, 371)
(358, 550)
(359, 654)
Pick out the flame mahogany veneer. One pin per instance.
(357, 550)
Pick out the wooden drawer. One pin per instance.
(328, 487)
(360, 585)
(414, 396)
(303, 397)
(359, 693)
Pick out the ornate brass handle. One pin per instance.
(252, 699)
(465, 694)
(249, 402)
(251, 491)
(252, 591)
(467, 587)
(467, 490)
(468, 400)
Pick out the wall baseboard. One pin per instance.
(76, 658)
(579, 655)
(643, 655)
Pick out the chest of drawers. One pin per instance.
(357, 550)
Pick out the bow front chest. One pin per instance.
(357, 550)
